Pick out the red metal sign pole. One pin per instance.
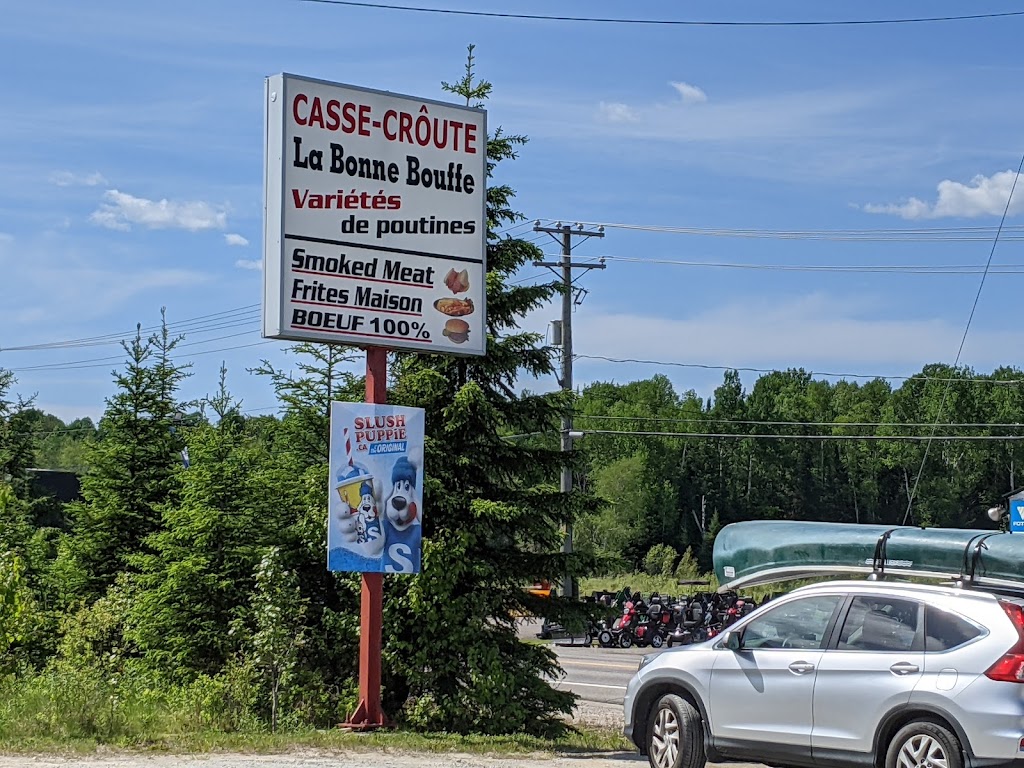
(368, 714)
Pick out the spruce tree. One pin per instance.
(493, 514)
(196, 571)
(131, 476)
(297, 471)
(15, 453)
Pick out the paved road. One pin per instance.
(599, 674)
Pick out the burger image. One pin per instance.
(457, 330)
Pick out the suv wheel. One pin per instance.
(924, 745)
(675, 737)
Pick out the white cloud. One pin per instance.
(691, 93)
(823, 331)
(69, 179)
(800, 116)
(981, 196)
(235, 239)
(120, 210)
(614, 112)
(617, 112)
(256, 264)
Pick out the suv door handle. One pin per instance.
(904, 668)
(801, 667)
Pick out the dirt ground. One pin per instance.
(321, 759)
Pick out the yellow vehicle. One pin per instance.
(540, 589)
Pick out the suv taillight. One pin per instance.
(1010, 668)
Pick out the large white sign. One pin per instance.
(375, 507)
(375, 228)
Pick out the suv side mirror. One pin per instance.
(732, 641)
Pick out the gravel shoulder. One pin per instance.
(324, 759)
(321, 759)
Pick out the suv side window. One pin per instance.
(795, 624)
(881, 624)
(944, 630)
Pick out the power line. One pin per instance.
(527, 278)
(911, 269)
(766, 436)
(116, 358)
(963, 339)
(767, 423)
(912, 235)
(706, 435)
(512, 228)
(747, 369)
(669, 22)
(96, 428)
(65, 431)
(114, 338)
(85, 364)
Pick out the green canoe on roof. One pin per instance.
(765, 551)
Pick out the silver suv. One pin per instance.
(871, 674)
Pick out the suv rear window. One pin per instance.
(880, 624)
(944, 630)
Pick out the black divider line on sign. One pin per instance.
(363, 279)
(356, 307)
(382, 248)
(360, 333)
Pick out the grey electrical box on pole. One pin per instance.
(564, 235)
(556, 333)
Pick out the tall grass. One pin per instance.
(79, 710)
(68, 704)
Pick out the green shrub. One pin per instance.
(660, 560)
(688, 569)
(228, 702)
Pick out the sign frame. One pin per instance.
(278, 90)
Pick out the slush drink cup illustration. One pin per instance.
(357, 526)
(350, 484)
(350, 476)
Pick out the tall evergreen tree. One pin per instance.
(494, 514)
(15, 458)
(131, 476)
(196, 571)
(297, 473)
(16, 452)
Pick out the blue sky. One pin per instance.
(131, 177)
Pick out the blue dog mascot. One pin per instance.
(403, 531)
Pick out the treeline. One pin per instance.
(195, 594)
(795, 447)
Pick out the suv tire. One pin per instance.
(675, 735)
(926, 744)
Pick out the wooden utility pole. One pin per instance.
(565, 267)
